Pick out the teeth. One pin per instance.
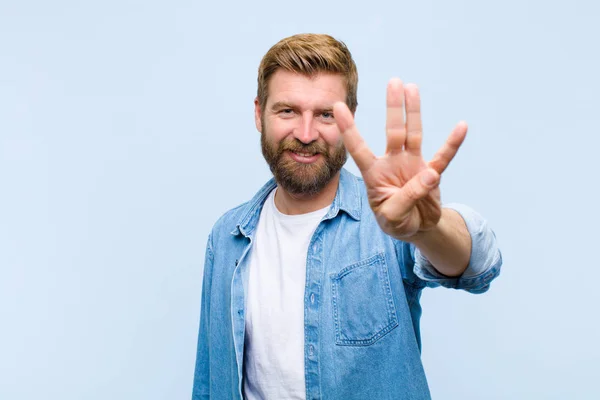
(304, 154)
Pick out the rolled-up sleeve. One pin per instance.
(484, 264)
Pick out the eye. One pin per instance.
(327, 116)
(286, 113)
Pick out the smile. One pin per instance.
(305, 158)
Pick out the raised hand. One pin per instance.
(402, 187)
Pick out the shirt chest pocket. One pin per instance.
(363, 304)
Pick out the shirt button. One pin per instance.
(315, 247)
(312, 298)
(311, 350)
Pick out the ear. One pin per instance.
(257, 115)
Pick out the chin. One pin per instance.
(303, 184)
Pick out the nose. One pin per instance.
(306, 132)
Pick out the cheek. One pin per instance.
(279, 129)
(331, 135)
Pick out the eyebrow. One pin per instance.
(283, 104)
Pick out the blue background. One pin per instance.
(126, 130)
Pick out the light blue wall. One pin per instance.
(126, 129)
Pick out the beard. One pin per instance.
(297, 178)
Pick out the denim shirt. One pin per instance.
(361, 301)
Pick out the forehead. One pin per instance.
(322, 89)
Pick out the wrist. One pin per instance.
(431, 233)
(424, 236)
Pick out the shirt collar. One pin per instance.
(347, 199)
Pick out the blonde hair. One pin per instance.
(309, 54)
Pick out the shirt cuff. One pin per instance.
(484, 263)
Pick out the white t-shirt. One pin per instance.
(274, 340)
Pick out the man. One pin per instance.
(311, 289)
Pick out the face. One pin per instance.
(299, 137)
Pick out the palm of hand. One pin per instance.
(385, 182)
(402, 187)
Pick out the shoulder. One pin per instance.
(244, 214)
(229, 221)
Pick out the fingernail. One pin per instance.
(428, 178)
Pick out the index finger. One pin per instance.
(446, 153)
(355, 144)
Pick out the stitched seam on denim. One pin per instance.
(367, 342)
(387, 292)
(264, 192)
(335, 308)
(377, 261)
(371, 260)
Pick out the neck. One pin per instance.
(294, 204)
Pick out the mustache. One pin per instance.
(297, 146)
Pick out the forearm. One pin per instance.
(448, 245)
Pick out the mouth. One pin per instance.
(305, 158)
